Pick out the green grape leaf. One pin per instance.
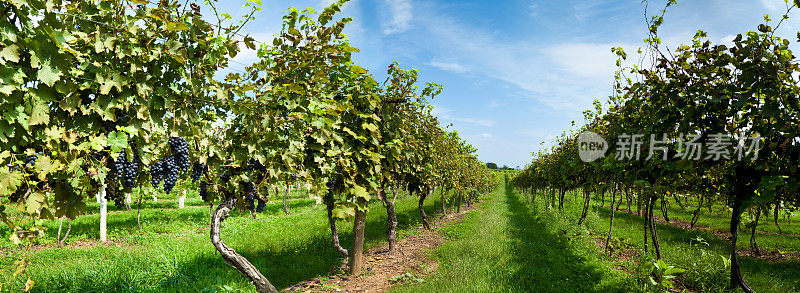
(118, 141)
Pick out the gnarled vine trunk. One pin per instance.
(775, 218)
(60, 240)
(234, 259)
(285, 204)
(587, 196)
(391, 217)
(696, 214)
(611, 223)
(460, 195)
(425, 223)
(744, 185)
(753, 244)
(334, 233)
(653, 230)
(737, 280)
(678, 200)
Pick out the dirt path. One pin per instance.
(384, 270)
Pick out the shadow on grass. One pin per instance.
(763, 271)
(285, 266)
(126, 223)
(546, 262)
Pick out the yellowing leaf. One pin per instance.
(360, 191)
(40, 113)
(9, 181)
(43, 167)
(10, 53)
(54, 133)
(34, 202)
(47, 74)
(14, 238)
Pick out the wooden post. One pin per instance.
(182, 199)
(103, 212)
(356, 261)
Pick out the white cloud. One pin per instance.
(448, 66)
(583, 60)
(487, 135)
(401, 16)
(497, 104)
(445, 114)
(564, 77)
(326, 3)
(774, 5)
(533, 9)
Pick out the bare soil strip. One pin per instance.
(384, 270)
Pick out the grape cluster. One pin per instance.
(14, 168)
(249, 194)
(198, 169)
(131, 169)
(256, 165)
(124, 169)
(226, 173)
(204, 191)
(118, 165)
(170, 167)
(180, 149)
(30, 160)
(171, 173)
(156, 172)
(333, 183)
(21, 167)
(261, 205)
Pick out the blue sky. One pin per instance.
(515, 73)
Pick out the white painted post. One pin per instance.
(103, 213)
(181, 199)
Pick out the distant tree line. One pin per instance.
(494, 166)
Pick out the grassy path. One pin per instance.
(508, 246)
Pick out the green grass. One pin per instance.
(705, 267)
(173, 252)
(159, 217)
(719, 219)
(511, 246)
